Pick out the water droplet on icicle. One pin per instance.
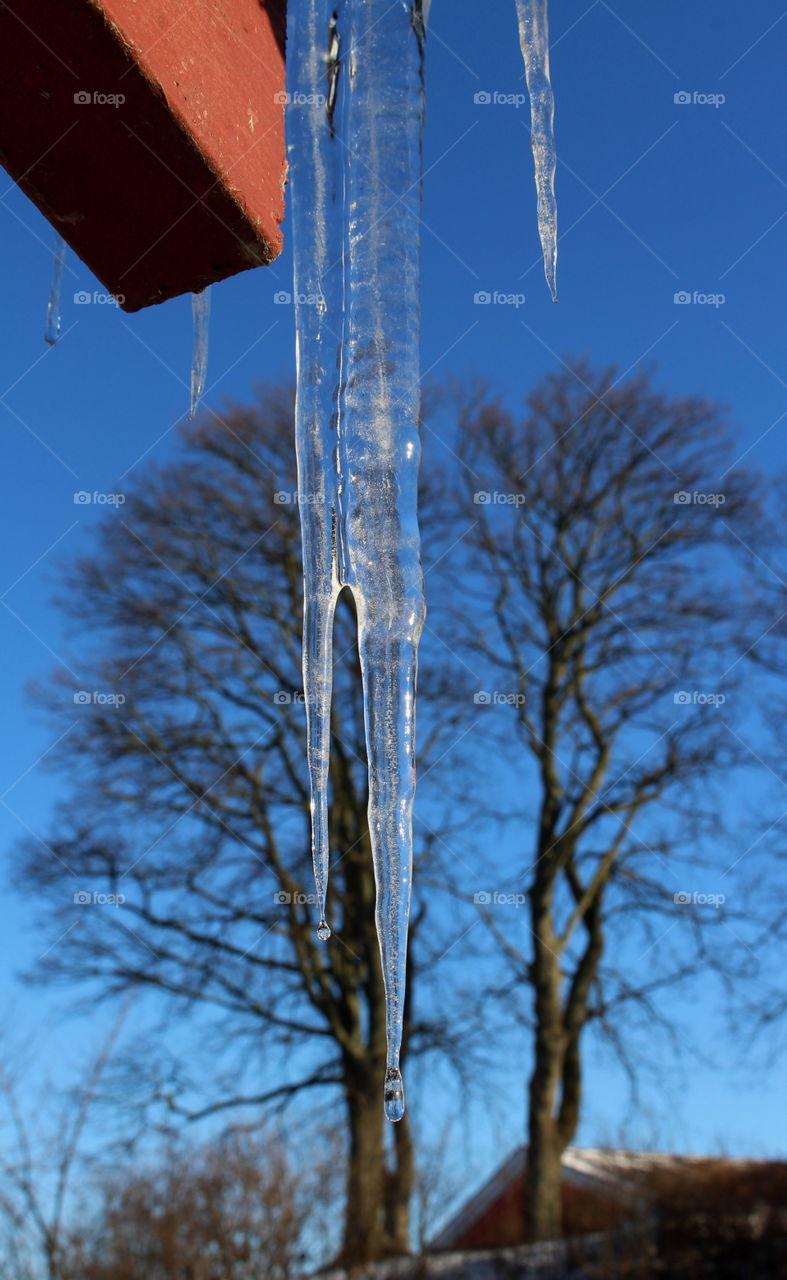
(200, 313)
(323, 931)
(534, 41)
(53, 315)
(394, 1094)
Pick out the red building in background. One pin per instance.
(603, 1190)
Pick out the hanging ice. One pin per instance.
(354, 138)
(200, 315)
(534, 41)
(53, 316)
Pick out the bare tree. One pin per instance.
(614, 626)
(761, 1028)
(189, 801)
(42, 1152)
(586, 568)
(231, 1209)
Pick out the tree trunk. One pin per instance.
(543, 1217)
(363, 1221)
(542, 1200)
(399, 1190)
(555, 1092)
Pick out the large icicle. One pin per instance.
(534, 41)
(354, 131)
(382, 449)
(200, 316)
(53, 312)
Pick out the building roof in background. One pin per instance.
(606, 1173)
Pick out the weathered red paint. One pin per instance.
(180, 184)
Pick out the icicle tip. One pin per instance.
(393, 1100)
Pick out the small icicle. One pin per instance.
(200, 312)
(534, 41)
(53, 316)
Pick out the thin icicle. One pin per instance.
(200, 314)
(354, 132)
(53, 313)
(534, 41)
(314, 170)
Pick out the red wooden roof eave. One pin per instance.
(164, 169)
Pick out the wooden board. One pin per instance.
(150, 133)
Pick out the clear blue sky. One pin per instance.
(655, 197)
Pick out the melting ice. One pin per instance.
(354, 124)
(534, 41)
(355, 114)
(200, 315)
(53, 314)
